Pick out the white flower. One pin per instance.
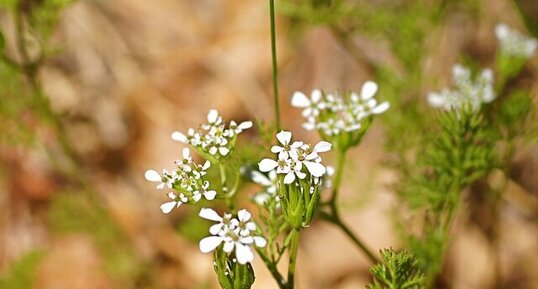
(269, 183)
(311, 105)
(208, 194)
(514, 43)
(164, 180)
(235, 234)
(177, 201)
(291, 158)
(284, 137)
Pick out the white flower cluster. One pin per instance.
(466, 90)
(235, 233)
(186, 179)
(213, 138)
(336, 113)
(295, 159)
(514, 43)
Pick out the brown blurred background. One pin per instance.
(126, 73)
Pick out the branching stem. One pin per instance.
(333, 216)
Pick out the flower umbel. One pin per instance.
(237, 234)
(336, 113)
(213, 140)
(295, 159)
(186, 180)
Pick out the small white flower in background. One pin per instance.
(237, 234)
(514, 43)
(293, 158)
(466, 90)
(336, 113)
(269, 183)
(186, 180)
(213, 138)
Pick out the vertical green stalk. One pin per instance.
(227, 195)
(275, 66)
(293, 250)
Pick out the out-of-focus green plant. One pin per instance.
(22, 273)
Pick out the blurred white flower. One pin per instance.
(466, 90)
(514, 43)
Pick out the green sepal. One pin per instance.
(230, 274)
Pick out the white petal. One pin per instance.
(210, 214)
(284, 137)
(152, 176)
(224, 150)
(245, 125)
(177, 136)
(243, 253)
(260, 178)
(243, 215)
(206, 165)
(309, 126)
(502, 31)
(228, 246)
(300, 175)
(172, 196)
(322, 147)
(210, 195)
(381, 108)
(213, 150)
(299, 99)
(209, 244)
(251, 226)
(167, 207)
(369, 88)
(215, 229)
(196, 196)
(186, 153)
(212, 116)
(315, 169)
(436, 99)
(276, 149)
(289, 178)
(259, 241)
(316, 95)
(267, 165)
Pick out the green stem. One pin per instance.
(333, 216)
(340, 162)
(293, 250)
(271, 266)
(275, 66)
(227, 196)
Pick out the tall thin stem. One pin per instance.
(293, 249)
(275, 65)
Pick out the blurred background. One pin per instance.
(90, 91)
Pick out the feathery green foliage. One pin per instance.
(399, 270)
